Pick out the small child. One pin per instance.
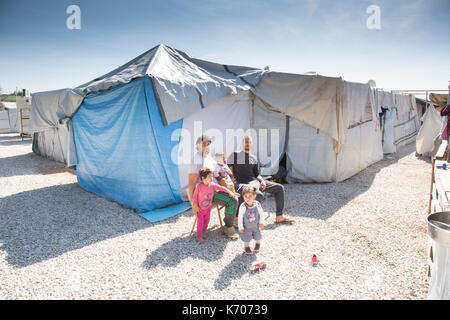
(202, 200)
(250, 219)
(222, 172)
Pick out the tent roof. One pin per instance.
(161, 59)
(183, 84)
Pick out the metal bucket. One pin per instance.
(439, 227)
(439, 232)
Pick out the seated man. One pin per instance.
(246, 171)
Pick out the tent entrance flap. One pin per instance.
(124, 149)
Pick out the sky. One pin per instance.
(409, 50)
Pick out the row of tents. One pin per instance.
(131, 132)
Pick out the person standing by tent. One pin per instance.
(445, 112)
(203, 159)
(246, 170)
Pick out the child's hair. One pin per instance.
(249, 189)
(204, 172)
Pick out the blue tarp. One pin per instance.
(124, 149)
(165, 213)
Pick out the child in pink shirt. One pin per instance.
(202, 200)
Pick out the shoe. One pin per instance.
(231, 233)
(285, 221)
(257, 246)
(247, 250)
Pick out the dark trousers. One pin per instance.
(231, 206)
(271, 187)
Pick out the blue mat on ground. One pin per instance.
(166, 213)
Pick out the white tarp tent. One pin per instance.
(429, 131)
(8, 117)
(314, 100)
(50, 120)
(329, 126)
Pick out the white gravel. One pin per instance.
(58, 241)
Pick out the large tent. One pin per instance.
(131, 132)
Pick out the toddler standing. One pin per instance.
(250, 219)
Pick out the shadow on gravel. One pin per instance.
(322, 200)
(10, 140)
(424, 158)
(45, 223)
(172, 253)
(238, 267)
(30, 163)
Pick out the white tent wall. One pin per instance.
(388, 132)
(383, 99)
(230, 114)
(406, 121)
(50, 120)
(362, 148)
(57, 143)
(310, 154)
(401, 121)
(363, 145)
(429, 131)
(314, 100)
(270, 126)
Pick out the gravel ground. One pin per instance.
(58, 241)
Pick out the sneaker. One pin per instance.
(247, 250)
(257, 246)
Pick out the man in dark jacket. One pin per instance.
(246, 170)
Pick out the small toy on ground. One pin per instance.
(261, 265)
(315, 260)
